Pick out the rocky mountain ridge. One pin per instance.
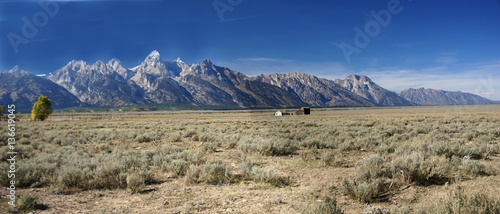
(23, 89)
(163, 82)
(366, 88)
(435, 97)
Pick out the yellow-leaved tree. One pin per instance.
(41, 109)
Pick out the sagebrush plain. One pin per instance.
(359, 160)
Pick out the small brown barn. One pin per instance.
(303, 111)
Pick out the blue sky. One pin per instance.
(445, 44)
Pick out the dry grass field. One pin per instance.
(373, 160)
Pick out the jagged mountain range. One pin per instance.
(365, 87)
(163, 82)
(435, 97)
(23, 89)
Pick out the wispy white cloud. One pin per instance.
(481, 78)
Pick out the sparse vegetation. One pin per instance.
(214, 172)
(376, 210)
(340, 159)
(135, 182)
(328, 158)
(327, 206)
(28, 203)
(474, 167)
(365, 191)
(458, 201)
(268, 146)
(269, 176)
(421, 168)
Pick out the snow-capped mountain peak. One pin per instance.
(16, 70)
(206, 61)
(114, 61)
(154, 56)
(77, 65)
(99, 63)
(178, 60)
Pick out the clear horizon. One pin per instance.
(449, 45)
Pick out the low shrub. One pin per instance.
(207, 138)
(367, 186)
(190, 134)
(76, 170)
(24, 141)
(458, 201)
(196, 156)
(135, 182)
(27, 203)
(370, 169)
(267, 146)
(23, 152)
(328, 158)
(270, 177)
(110, 176)
(327, 206)
(386, 148)
(143, 138)
(421, 168)
(193, 174)
(246, 170)
(461, 150)
(79, 178)
(363, 191)
(178, 167)
(474, 167)
(376, 210)
(175, 138)
(214, 172)
(208, 147)
(309, 143)
(35, 173)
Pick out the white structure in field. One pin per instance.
(61, 118)
(280, 113)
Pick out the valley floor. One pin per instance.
(402, 160)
